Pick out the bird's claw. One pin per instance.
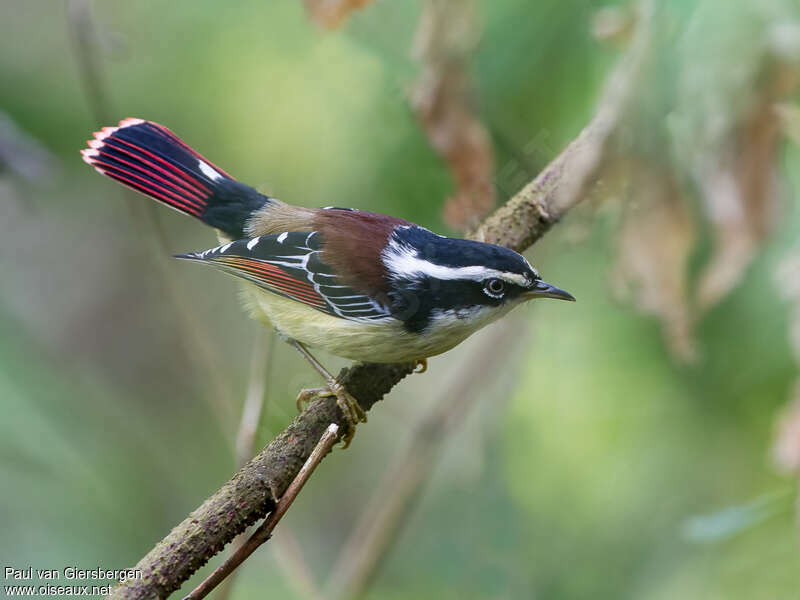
(351, 409)
(307, 394)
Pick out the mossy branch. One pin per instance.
(253, 491)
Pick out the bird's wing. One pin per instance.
(290, 265)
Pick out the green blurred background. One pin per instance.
(594, 464)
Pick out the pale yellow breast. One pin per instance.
(356, 340)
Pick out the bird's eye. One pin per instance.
(495, 287)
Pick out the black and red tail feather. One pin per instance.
(150, 159)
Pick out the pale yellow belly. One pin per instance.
(368, 342)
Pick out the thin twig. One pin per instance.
(264, 532)
(260, 366)
(290, 557)
(376, 531)
(252, 491)
(84, 40)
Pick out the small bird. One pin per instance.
(361, 285)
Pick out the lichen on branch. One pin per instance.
(253, 491)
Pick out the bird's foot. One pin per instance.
(351, 409)
(420, 365)
(306, 395)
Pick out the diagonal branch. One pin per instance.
(387, 511)
(526, 217)
(264, 531)
(254, 490)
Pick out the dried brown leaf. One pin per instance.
(655, 241)
(329, 14)
(445, 38)
(740, 191)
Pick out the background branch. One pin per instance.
(84, 43)
(192, 332)
(254, 489)
(386, 514)
(260, 366)
(264, 532)
(563, 183)
(291, 561)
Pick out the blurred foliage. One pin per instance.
(603, 468)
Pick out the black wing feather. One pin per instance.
(290, 264)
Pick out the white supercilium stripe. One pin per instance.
(402, 261)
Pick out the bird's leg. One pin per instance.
(420, 365)
(353, 413)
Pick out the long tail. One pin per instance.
(152, 160)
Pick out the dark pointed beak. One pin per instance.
(542, 289)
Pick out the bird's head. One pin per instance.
(434, 278)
